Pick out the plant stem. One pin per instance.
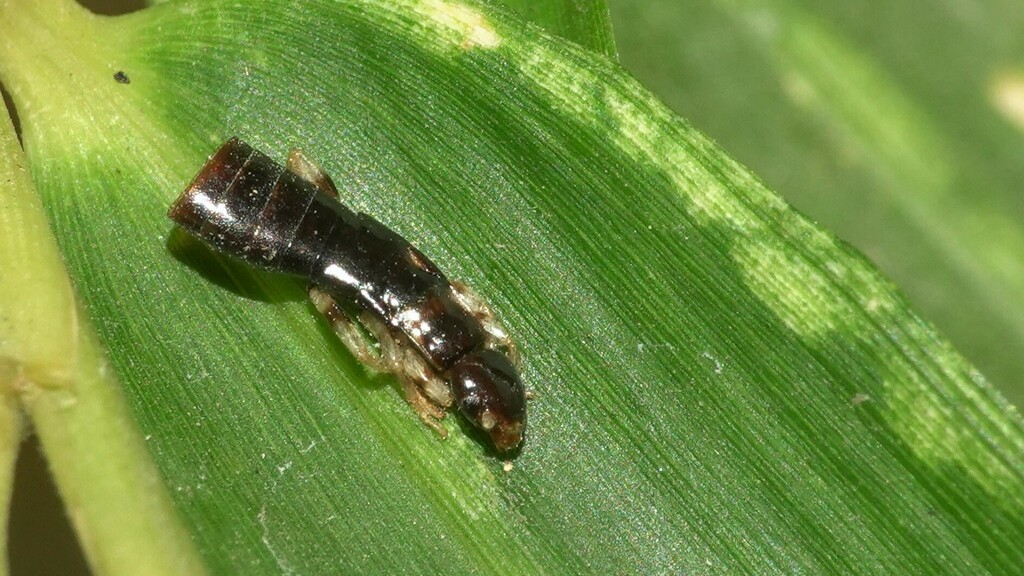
(11, 431)
(51, 362)
(114, 495)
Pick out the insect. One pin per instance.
(389, 304)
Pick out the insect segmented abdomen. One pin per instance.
(247, 205)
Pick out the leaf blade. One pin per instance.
(697, 346)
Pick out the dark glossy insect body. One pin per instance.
(289, 220)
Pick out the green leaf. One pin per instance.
(898, 125)
(721, 386)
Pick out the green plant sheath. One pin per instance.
(51, 368)
(21, 348)
(721, 386)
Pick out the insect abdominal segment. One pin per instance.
(438, 337)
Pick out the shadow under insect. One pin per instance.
(241, 279)
(233, 274)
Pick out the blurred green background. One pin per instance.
(899, 126)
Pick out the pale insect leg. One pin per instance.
(361, 346)
(425, 392)
(303, 167)
(497, 337)
(351, 334)
(345, 327)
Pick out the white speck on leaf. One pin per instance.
(718, 365)
(265, 537)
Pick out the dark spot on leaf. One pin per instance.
(121, 77)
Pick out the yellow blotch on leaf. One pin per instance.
(469, 23)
